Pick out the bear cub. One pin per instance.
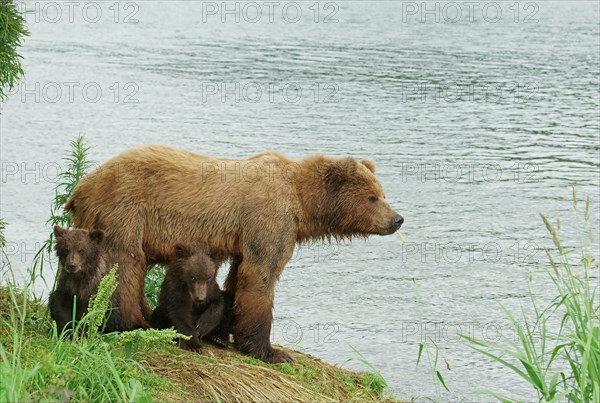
(83, 264)
(191, 300)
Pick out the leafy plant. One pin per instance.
(153, 282)
(100, 303)
(77, 165)
(12, 32)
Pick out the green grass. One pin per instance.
(373, 379)
(559, 362)
(38, 363)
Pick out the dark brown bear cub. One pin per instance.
(190, 298)
(83, 263)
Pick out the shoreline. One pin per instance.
(49, 367)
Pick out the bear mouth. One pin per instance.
(389, 230)
(75, 270)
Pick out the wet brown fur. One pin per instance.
(153, 197)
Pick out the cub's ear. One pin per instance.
(182, 251)
(218, 256)
(370, 164)
(340, 172)
(59, 231)
(97, 235)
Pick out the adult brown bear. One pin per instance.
(151, 198)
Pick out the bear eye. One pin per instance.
(372, 198)
(82, 251)
(193, 278)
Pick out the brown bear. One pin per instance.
(151, 198)
(190, 298)
(83, 264)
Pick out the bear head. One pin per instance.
(353, 201)
(195, 270)
(79, 251)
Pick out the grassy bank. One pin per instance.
(37, 364)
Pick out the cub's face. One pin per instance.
(198, 271)
(78, 250)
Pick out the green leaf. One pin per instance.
(441, 378)
(534, 377)
(421, 346)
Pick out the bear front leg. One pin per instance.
(113, 319)
(130, 291)
(146, 310)
(264, 254)
(252, 328)
(185, 325)
(61, 310)
(160, 318)
(209, 322)
(192, 344)
(220, 335)
(254, 316)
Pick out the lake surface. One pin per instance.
(479, 117)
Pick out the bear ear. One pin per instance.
(97, 235)
(339, 172)
(370, 164)
(59, 231)
(182, 251)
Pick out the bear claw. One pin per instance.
(219, 341)
(193, 347)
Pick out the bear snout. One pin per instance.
(71, 268)
(393, 225)
(199, 292)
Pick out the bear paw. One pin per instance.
(191, 345)
(276, 356)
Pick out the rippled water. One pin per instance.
(476, 126)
